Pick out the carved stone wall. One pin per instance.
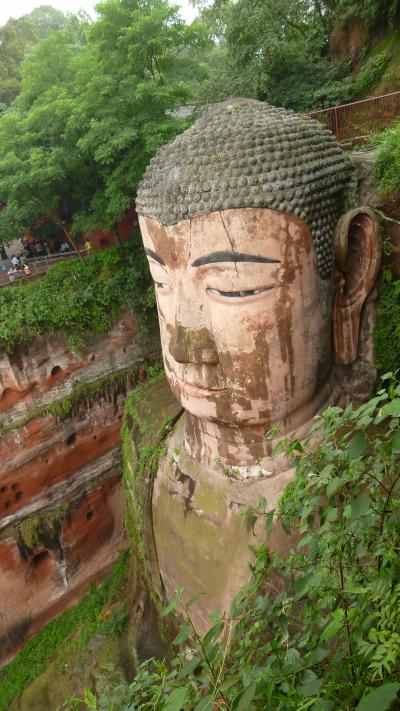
(61, 502)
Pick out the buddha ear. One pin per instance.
(358, 255)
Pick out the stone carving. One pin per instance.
(261, 271)
(248, 154)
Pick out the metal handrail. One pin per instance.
(38, 266)
(353, 103)
(55, 257)
(360, 118)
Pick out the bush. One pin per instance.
(36, 654)
(387, 161)
(387, 329)
(320, 629)
(81, 296)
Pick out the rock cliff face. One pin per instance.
(61, 503)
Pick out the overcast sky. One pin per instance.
(16, 8)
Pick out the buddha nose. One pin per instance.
(193, 345)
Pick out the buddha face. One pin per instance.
(245, 319)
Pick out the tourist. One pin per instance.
(14, 274)
(88, 246)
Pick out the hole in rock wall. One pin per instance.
(41, 566)
(14, 486)
(71, 439)
(18, 496)
(93, 357)
(3, 489)
(7, 504)
(39, 558)
(89, 515)
(55, 371)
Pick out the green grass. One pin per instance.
(37, 653)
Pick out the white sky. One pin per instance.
(16, 8)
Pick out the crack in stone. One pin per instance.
(229, 238)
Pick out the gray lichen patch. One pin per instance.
(245, 153)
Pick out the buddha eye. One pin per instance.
(240, 294)
(161, 286)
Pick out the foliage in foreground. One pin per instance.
(387, 161)
(387, 329)
(37, 653)
(82, 297)
(319, 630)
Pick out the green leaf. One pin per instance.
(247, 697)
(323, 705)
(171, 607)
(228, 683)
(392, 409)
(205, 704)
(396, 441)
(188, 668)
(334, 485)
(357, 446)
(334, 627)
(310, 688)
(182, 635)
(380, 699)
(176, 700)
(214, 632)
(360, 506)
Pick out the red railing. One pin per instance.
(360, 118)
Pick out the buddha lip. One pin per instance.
(198, 389)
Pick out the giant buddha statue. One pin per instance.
(262, 263)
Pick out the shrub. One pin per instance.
(387, 161)
(82, 297)
(387, 329)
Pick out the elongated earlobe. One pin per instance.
(358, 256)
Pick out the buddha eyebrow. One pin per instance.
(154, 256)
(232, 257)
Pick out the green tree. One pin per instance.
(46, 19)
(16, 38)
(42, 172)
(135, 76)
(279, 50)
(91, 114)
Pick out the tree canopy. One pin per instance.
(89, 103)
(94, 106)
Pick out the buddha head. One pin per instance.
(261, 264)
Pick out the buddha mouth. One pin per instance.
(198, 390)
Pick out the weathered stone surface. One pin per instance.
(39, 583)
(200, 530)
(61, 504)
(262, 293)
(245, 153)
(47, 369)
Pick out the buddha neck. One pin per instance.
(245, 448)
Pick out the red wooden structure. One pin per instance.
(360, 118)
